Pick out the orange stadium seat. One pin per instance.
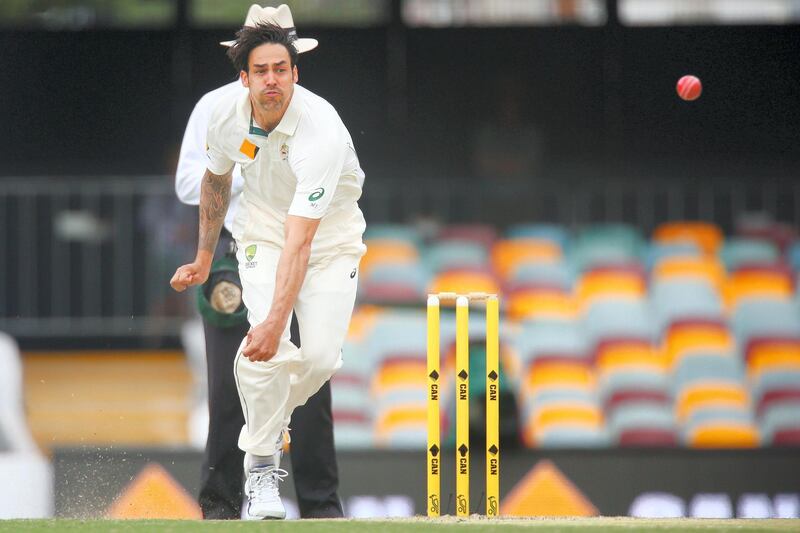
(770, 282)
(541, 303)
(772, 354)
(706, 235)
(708, 269)
(387, 251)
(628, 354)
(507, 254)
(696, 335)
(724, 435)
(711, 394)
(558, 373)
(608, 283)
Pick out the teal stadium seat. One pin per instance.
(657, 251)
(703, 366)
(740, 251)
(395, 284)
(547, 232)
(610, 319)
(394, 232)
(682, 299)
(541, 338)
(455, 254)
(642, 424)
(777, 419)
(573, 437)
(559, 275)
(605, 244)
(765, 317)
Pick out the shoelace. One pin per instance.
(264, 483)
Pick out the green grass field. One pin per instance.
(476, 524)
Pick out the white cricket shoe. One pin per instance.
(261, 489)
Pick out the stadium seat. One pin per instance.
(547, 303)
(618, 282)
(642, 424)
(683, 300)
(739, 251)
(445, 255)
(779, 423)
(482, 234)
(756, 318)
(696, 336)
(606, 244)
(772, 282)
(542, 274)
(509, 255)
(708, 394)
(393, 232)
(538, 339)
(723, 435)
(771, 353)
(548, 232)
(706, 269)
(706, 235)
(394, 284)
(658, 251)
(775, 387)
(707, 366)
(381, 252)
(617, 319)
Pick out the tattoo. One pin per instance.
(215, 195)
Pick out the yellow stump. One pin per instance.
(492, 406)
(434, 373)
(462, 406)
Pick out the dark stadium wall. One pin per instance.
(115, 102)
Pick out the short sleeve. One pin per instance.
(218, 163)
(317, 165)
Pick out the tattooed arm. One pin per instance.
(215, 195)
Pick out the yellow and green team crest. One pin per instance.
(250, 252)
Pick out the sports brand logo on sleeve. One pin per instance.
(316, 195)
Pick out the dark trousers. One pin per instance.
(314, 469)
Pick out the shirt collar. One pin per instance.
(291, 117)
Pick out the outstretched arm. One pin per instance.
(215, 195)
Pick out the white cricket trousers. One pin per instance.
(270, 390)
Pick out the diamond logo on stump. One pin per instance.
(493, 450)
(434, 450)
(463, 374)
(463, 450)
(493, 375)
(434, 375)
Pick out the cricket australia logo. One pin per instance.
(284, 151)
(249, 255)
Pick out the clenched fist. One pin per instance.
(188, 275)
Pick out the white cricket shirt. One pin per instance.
(307, 166)
(192, 162)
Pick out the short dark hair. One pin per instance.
(251, 37)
